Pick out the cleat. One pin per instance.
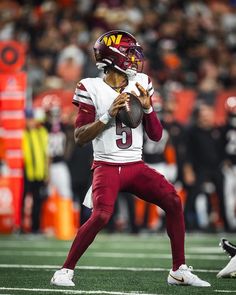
(184, 277)
(229, 271)
(228, 247)
(63, 277)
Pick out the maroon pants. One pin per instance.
(145, 183)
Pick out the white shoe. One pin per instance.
(183, 276)
(63, 277)
(229, 270)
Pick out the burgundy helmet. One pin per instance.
(120, 50)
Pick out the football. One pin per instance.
(132, 113)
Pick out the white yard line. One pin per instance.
(76, 291)
(96, 246)
(28, 266)
(126, 238)
(89, 292)
(40, 253)
(155, 256)
(225, 291)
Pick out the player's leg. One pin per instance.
(27, 189)
(105, 189)
(36, 207)
(153, 187)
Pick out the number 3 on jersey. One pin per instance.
(126, 135)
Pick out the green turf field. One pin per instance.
(114, 264)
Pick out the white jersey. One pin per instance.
(117, 143)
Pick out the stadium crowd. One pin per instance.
(188, 45)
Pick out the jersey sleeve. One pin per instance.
(86, 109)
(82, 95)
(86, 115)
(151, 123)
(152, 126)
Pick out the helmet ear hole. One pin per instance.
(97, 54)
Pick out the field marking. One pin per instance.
(77, 291)
(98, 268)
(113, 238)
(225, 291)
(110, 255)
(151, 256)
(139, 246)
(90, 292)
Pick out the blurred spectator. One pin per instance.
(70, 64)
(57, 136)
(175, 149)
(209, 84)
(79, 161)
(202, 169)
(36, 161)
(229, 170)
(36, 75)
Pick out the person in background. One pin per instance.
(118, 164)
(57, 139)
(230, 269)
(36, 166)
(79, 160)
(202, 167)
(229, 168)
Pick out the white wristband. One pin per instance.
(148, 111)
(105, 118)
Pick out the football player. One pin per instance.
(118, 164)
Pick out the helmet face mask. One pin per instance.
(120, 50)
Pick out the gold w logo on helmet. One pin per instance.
(112, 39)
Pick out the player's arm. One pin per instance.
(87, 128)
(151, 123)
